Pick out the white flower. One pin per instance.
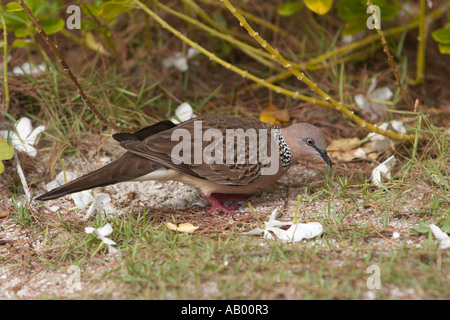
(28, 68)
(370, 104)
(383, 170)
(441, 236)
(101, 233)
(100, 202)
(23, 136)
(360, 153)
(183, 112)
(300, 231)
(59, 180)
(295, 233)
(179, 61)
(379, 142)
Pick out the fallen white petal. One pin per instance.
(31, 139)
(384, 94)
(255, 231)
(101, 233)
(108, 241)
(82, 198)
(104, 231)
(59, 180)
(192, 52)
(360, 153)
(398, 126)
(24, 127)
(183, 113)
(279, 233)
(362, 102)
(28, 68)
(444, 244)
(89, 230)
(300, 231)
(380, 143)
(372, 86)
(177, 61)
(28, 149)
(53, 208)
(438, 233)
(381, 170)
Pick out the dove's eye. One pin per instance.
(309, 141)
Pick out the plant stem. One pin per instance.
(297, 208)
(423, 28)
(391, 59)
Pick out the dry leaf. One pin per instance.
(343, 149)
(93, 44)
(273, 115)
(4, 213)
(184, 227)
(346, 144)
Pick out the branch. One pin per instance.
(311, 84)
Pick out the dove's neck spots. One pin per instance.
(285, 151)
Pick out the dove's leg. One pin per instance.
(222, 197)
(217, 206)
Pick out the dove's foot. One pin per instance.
(216, 200)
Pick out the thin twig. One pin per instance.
(391, 59)
(67, 71)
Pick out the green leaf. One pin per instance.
(220, 19)
(353, 27)
(21, 32)
(442, 35)
(15, 19)
(13, 6)
(6, 153)
(290, 7)
(388, 12)
(422, 228)
(319, 6)
(53, 25)
(444, 48)
(21, 43)
(446, 225)
(349, 10)
(110, 10)
(90, 9)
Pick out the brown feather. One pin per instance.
(159, 148)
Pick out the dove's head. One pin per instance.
(306, 140)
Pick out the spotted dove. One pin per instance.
(225, 158)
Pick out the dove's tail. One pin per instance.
(127, 167)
